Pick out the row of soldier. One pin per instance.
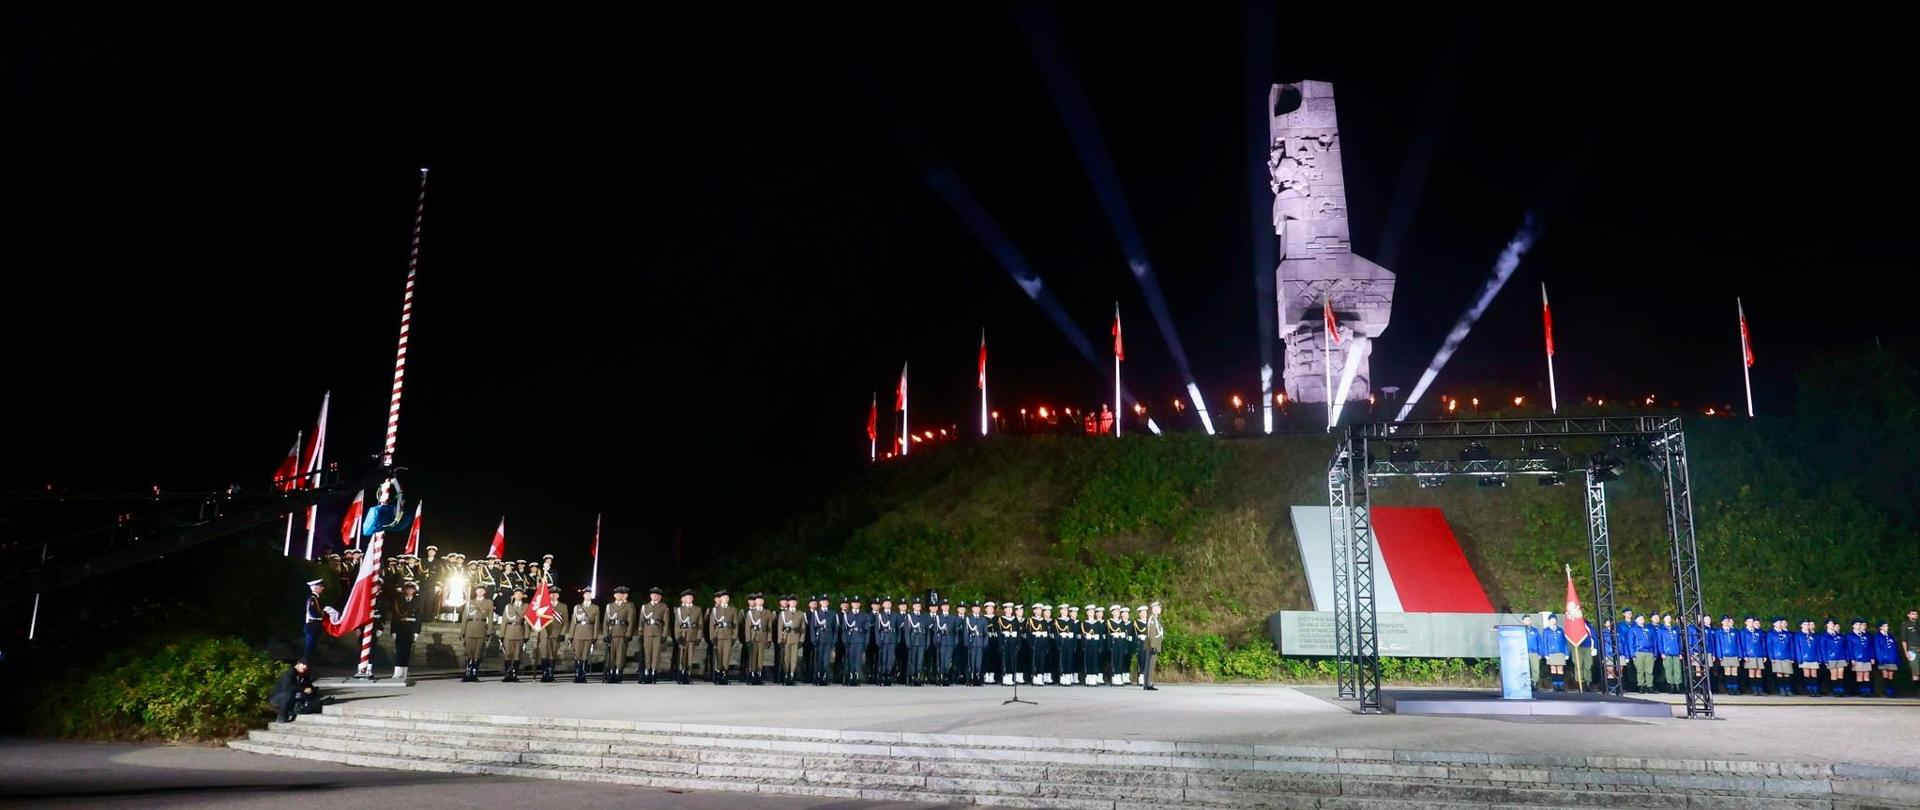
(930, 641)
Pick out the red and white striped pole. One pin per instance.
(393, 418)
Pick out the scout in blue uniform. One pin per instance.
(886, 634)
(1808, 654)
(1886, 657)
(1702, 653)
(1640, 642)
(1533, 648)
(1667, 639)
(1860, 654)
(1753, 653)
(1553, 647)
(1726, 650)
(1780, 656)
(1833, 647)
(976, 642)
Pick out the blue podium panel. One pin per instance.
(1516, 674)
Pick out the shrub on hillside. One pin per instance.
(1141, 484)
(189, 688)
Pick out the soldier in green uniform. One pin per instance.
(403, 621)
(790, 634)
(546, 640)
(620, 622)
(723, 634)
(1150, 642)
(583, 629)
(476, 625)
(653, 635)
(513, 634)
(688, 622)
(756, 629)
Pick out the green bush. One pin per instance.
(190, 688)
(1256, 660)
(1143, 484)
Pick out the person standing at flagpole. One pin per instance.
(1546, 317)
(1746, 354)
(1119, 354)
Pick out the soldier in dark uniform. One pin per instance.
(583, 629)
(899, 673)
(1120, 642)
(1038, 643)
(546, 640)
(513, 634)
(688, 622)
(403, 621)
(654, 617)
(476, 625)
(317, 614)
(621, 620)
(790, 636)
(886, 635)
(1138, 648)
(1092, 642)
(723, 633)
(855, 631)
(1066, 633)
(546, 571)
(976, 642)
(823, 627)
(1006, 635)
(946, 636)
(918, 632)
(1017, 663)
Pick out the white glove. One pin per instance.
(1913, 655)
(332, 614)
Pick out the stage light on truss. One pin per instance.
(1377, 481)
(1552, 481)
(1476, 451)
(1431, 481)
(1494, 481)
(1605, 467)
(1404, 453)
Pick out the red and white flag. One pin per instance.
(900, 394)
(1746, 338)
(350, 527)
(981, 382)
(540, 610)
(594, 583)
(359, 608)
(413, 534)
(1546, 316)
(499, 546)
(316, 452)
(286, 477)
(1333, 324)
(873, 420)
(1575, 625)
(1119, 348)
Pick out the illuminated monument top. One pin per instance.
(1316, 260)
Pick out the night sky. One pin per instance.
(667, 260)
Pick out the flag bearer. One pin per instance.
(546, 640)
(513, 634)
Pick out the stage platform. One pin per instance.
(1487, 702)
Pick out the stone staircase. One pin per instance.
(1042, 772)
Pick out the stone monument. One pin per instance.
(1316, 260)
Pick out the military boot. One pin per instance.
(579, 672)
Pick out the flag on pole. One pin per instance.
(286, 477)
(594, 583)
(1546, 316)
(1746, 338)
(900, 393)
(359, 608)
(413, 533)
(982, 381)
(540, 610)
(350, 527)
(873, 420)
(1119, 348)
(316, 452)
(1333, 324)
(499, 546)
(1575, 625)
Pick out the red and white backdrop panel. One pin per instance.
(1418, 564)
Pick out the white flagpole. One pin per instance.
(906, 433)
(1116, 373)
(1746, 371)
(1553, 389)
(33, 623)
(873, 439)
(299, 443)
(314, 464)
(1326, 362)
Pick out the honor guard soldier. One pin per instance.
(546, 639)
(992, 658)
(900, 642)
(1043, 641)
(918, 629)
(476, 625)
(653, 634)
(1116, 627)
(1008, 643)
(976, 642)
(1066, 635)
(823, 629)
(1093, 645)
(689, 621)
(1151, 641)
(723, 630)
(546, 570)
(403, 621)
(1140, 638)
(1121, 645)
(757, 654)
(790, 633)
(1034, 629)
(875, 674)
(945, 634)
(513, 634)
(583, 629)
(316, 617)
(855, 632)
(622, 619)
(1015, 663)
(886, 637)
